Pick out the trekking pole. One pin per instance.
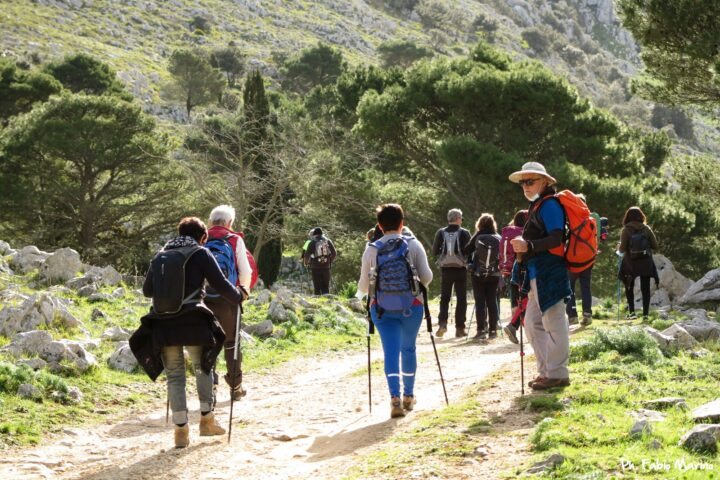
(472, 314)
(617, 282)
(428, 320)
(522, 360)
(167, 410)
(371, 330)
(234, 368)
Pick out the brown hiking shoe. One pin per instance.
(460, 332)
(396, 408)
(440, 331)
(182, 436)
(238, 392)
(409, 402)
(546, 383)
(209, 426)
(586, 319)
(536, 379)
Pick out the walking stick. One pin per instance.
(522, 361)
(428, 320)
(472, 314)
(234, 368)
(371, 330)
(617, 282)
(167, 410)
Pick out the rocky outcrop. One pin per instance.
(707, 289)
(123, 359)
(61, 266)
(40, 309)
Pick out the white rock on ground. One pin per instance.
(262, 329)
(702, 438)
(709, 412)
(116, 334)
(123, 358)
(40, 309)
(276, 312)
(61, 266)
(707, 289)
(681, 338)
(28, 259)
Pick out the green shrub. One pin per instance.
(626, 341)
(348, 289)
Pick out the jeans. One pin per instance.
(585, 278)
(644, 290)
(486, 303)
(398, 335)
(458, 277)
(174, 363)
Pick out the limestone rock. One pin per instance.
(104, 276)
(277, 312)
(702, 438)
(681, 338)
(702, 330)
(87, 290)
(285, 297)
(41, 309)
(707, 289)
(34, 363)
(545, 466)
(61, 266)
(641, 427)
(649, 415)
(262, 298)
(262, 329)
(28, 259)
(116, 334)
(97, 313)
(27, 390)
(666, 402)
(80, 282)
(31, 343)
(100, 297)
(68, 350)
(123, 358)
(710, 412)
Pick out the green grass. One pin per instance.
(592, 432)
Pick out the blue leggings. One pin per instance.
(398, 335)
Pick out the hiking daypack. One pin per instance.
(486, 259)
(580, 244)
(322, 253)
(639, 246)
(224, 254)
(507, 253)
(452, 252)
(168, 277)
(394, 279)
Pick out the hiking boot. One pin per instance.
(440, 331)
(511, 333)
(546, 383)
(631, 316)
(572, 320)
(238, 392)
(460, 332)
(396, 408)
(586, 320)
(182, 436)
(492, 334)
(480, 335)
(209, 426)
(409, 402)
(536, 379)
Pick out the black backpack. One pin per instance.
(486, 259)
(639, 246)
(168, 267)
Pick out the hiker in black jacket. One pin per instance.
(158, 343)
(447, 247)
(319, 254)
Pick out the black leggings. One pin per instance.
(644, 290)
(485, 292)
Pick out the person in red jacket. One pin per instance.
(222, 218)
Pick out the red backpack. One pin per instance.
(581, 245)
(507, 254)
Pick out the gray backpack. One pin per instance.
(451, 255)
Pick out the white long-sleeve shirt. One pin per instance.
(416, 255)
(244, 270)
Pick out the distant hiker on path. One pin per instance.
(447, 247)
(507, 262)
(637, 244)
(178, 318)
(484, 249)
(547, 275)
(318, 254)
(392, 269)
(229, 251)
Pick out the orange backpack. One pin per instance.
(581, 245)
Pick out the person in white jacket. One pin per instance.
(396, 305)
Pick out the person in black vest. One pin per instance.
(158, 343)
(484, 249)
(448, 245)
(319, 253)
(637, 242)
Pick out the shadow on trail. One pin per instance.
(348, 441)
(155, 466)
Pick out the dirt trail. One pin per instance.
(321, 404)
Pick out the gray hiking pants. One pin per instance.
(549, 336)
(174, 363)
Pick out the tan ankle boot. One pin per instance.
(396, 409)
(209, 426)
(182, 436)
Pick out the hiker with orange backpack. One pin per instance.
(238, 266)
(543, 248)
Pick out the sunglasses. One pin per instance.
(529, 182)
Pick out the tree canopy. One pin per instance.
(195, 81)
(82, 73)
(319, 65)
(21, 89)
